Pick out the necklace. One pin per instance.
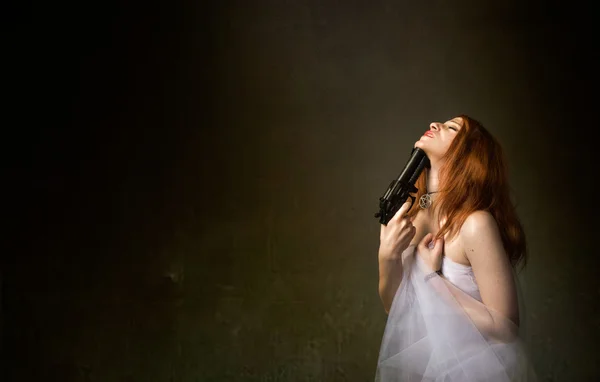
(425, 200)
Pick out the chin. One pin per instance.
(423, 146)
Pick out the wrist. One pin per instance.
(433, 274)
(390, 257)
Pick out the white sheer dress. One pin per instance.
(440, 330)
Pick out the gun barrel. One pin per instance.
(416, 163)
(424, 162)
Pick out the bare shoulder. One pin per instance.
(477, 224)
(480, 236)
(483, 247)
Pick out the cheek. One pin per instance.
(447, 144)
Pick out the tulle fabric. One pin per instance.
(437, 332)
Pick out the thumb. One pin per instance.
(439, 246)
(426, 240)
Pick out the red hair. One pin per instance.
(474, 177)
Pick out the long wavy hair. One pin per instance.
(474, 177)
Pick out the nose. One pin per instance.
(434, 126)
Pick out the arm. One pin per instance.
(483, 247)
(498, 316)
(394, 239)
(390, 277)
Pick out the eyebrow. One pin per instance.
(456, 123)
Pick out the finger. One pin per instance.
(405, 207)
(426, 240)
(407, 227)
(413, 231)
(438, 247)
(403, 222)
(402, 211)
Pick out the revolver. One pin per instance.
(400, 189)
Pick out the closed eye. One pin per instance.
(449, 126)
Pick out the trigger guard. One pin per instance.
(412, 198)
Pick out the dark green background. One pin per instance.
(191, 186)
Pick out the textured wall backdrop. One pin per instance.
(200, 180)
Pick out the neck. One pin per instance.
(433, 186)
(433, 179)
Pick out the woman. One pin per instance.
(447, 267)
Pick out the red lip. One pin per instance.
(429, 134)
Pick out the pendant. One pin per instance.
(425, 201)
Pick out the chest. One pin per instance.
(453, 248)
